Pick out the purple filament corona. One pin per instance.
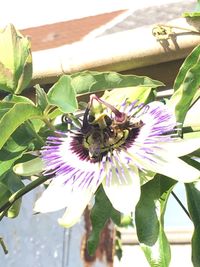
(117, 136)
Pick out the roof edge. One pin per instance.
(115, 52)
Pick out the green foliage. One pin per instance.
(149, 219)
(66, 103)
(15, 61)
(25, 124)
(141, 93)
(100, 214)
(193, 200)
(9, 184)
(93, 81)
(90, 82)
(12, 119)
(118, 245)
(41, 98)
(14, 148)
(195, 13)
(186, 84)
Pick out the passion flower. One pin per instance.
(120, 147)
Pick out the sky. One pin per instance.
(29, 13)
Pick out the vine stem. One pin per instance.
(20, 193)
(177, 27)
(48, 123)
(3, 245)
(181, 204)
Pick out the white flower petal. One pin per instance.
(181, 147)
(78, 203)
(67, 153)
(157, 119)
(59, 195)
(159, 115)
(72, 174)
(55, 197)
(175, 168)
(72, 159)
(167, 164)
(124, 193)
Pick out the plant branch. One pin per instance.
(49, 124)
(3, 245)
(181, 204)
(48, 109)
(20, 193)
(177, 27)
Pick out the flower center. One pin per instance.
(102, 134)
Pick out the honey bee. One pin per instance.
(103, 133)
(135, 123)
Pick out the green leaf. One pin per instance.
(37, 124)
(118, 245)
(191, 60)
(7, 159)
(19, 140)
(54, 114)
(9, 184)
(93, 81)
(159, 254)
(191, 14)
(12, 119)
(41, 98)
(5, 107)
(193, 200)
(63, 95)
(14, 148)
(13, 211)
(140, 93)
(192, 116)
(17, 99)
(191, 161)
(149, 218)
(5, 193)
(20, 192)
(15, 60)
(195, 13)
(100, 213)
(29, 168)
(186, 84)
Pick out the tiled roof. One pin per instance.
(151, 15)
(66, 32)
